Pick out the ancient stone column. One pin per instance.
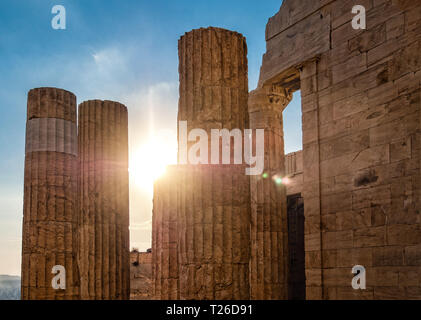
(164, 236)
(50, 195)
(214, 200)
(104, 201)
(269, 237)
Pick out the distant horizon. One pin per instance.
(10, 275)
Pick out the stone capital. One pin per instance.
(273, 98)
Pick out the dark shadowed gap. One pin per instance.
(292, 124)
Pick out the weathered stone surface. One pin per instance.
(201, 230)
(50, 195)
(296, 44)
(214, 232)
(103, 254)
(213, 80)
(294, 172)
(165, 235)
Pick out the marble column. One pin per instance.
(104, 201)
(50, 196)
(269, 237)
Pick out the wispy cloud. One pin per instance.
(111, 62)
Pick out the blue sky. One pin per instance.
(124, 50)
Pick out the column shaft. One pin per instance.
(164, 236)
(50, 195)
(214, 231)
(213, 80)
(104, 201)
(269, 237)
(213, 238)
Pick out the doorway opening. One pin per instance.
(293, 145)
(296, 263)
(292, 123)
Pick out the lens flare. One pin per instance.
(149, 161)
(278, 180)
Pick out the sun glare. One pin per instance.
(149, 161)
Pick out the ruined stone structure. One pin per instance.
(354, 198)
(50, 195)
(141, 282)
(350, 197)
(104, 201)
(361, 140)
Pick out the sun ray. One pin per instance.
(149, 161)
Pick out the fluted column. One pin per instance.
(213, 80)
(50, 195)
(214, 200)
(269, 237)
(164, 236)
(214, 232)
(104, 201)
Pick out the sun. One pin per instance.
(148, 162)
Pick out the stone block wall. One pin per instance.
(294, 172)
(361, 140)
